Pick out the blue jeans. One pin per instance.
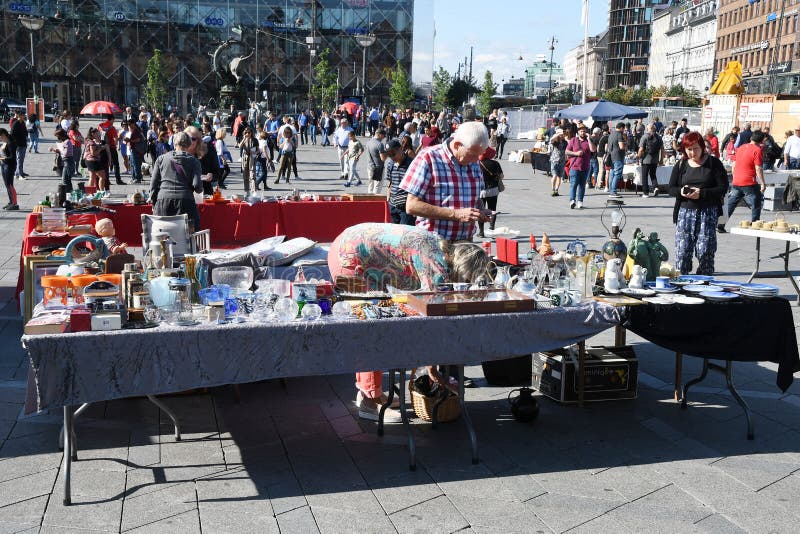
(136, 167)
(577, 180)
(399, 215)
(594, 170)
(66, 173)
(34, 139)
(794, 163)
(616, 175)
(752, 196)
(21, 160)
(313, 130)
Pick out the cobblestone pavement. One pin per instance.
(297, 459)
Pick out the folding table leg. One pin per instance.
(82, 408)
(678, 375)
(169, 413)
(412, 448)
(392, 386)
(581, 371)
(694, 381)
(473, 438)
(68, 433)
(758, 260)
(788, 273)
(739, 399)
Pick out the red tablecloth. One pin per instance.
(232, 224)
(323, 221)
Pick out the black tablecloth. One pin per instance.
(540, 162)
(741, 330)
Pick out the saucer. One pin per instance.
(701, 289)
(658, 300)
(668, 289)
(685, 299)
(636, 292)
(719, 295)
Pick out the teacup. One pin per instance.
(460, 286)
(662, 282)
(756, 225)
(559, 296)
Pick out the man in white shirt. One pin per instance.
(791, 150)
(341, 138)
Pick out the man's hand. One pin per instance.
(207, 177)
(467, 215)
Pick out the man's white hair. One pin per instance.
(472, 134)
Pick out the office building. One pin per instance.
(542, 77)
(682, 45)
(98, 49)
(595, 65)
(762, 36)
(629, 41)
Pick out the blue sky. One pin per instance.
(500, 31)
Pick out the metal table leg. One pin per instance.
(68, 434)
(82, 408)
(473, 438)
(581, 369)
(758, 260)
(678, 375)
(401, 391)
(169, 413)
(787, 273)
(727, 370)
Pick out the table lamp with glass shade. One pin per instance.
(614, 247)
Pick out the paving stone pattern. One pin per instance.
(295, 457)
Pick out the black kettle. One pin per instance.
(524, 406)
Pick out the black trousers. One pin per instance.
(649, 175)
(115, 163)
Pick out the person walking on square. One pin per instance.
(698, 184)
(249, 149)
(748, 171)
(110, 134)
(341, 138)
(8, 163)
(375, 161)
(791, 150)
(34, 127)
(651, 154)
(286, 149)
(579, 150)
(558, 159)
(137, 147)
(64, 148)
(617, 143)
(19, 134)
(354, 151)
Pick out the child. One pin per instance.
(286, 151)
(354, 151)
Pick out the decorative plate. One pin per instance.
(635, 292)
(719, 295)
(685, 299)
(702, 289)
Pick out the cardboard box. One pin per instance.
(611, 373)
(773, 199)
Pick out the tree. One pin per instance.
(156, 89)
(400, 93)
(324, 87)
(442, 81)
(485, 96)
(459, 93)
(615, 94)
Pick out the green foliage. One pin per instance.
(156, 89)
(646, 96)
(401, 94)
(324, 87)
(485, 96)
(565, 95)
(616, 94)
(459, 93)
(442, 81)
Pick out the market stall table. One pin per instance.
(540, 161)
(788, 238)
(741, 330)
(71, 369)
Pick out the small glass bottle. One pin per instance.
(191, 274)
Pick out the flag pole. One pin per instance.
(585, 48)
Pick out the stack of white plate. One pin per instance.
(758, 291)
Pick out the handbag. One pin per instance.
(501, 186)
(491, 192)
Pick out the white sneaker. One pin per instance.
(572, 204)
(579, 205)
(645, 195)
(370, 410)
(360, 398)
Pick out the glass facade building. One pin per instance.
(98, 49)
(629, 25)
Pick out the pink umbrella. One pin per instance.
(100, 107)
(349, 107)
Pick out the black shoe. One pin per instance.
(721, 229)
(221, 186)
(469, 383)
(120, 182)
(13, 207)
(25, 175)
(480, 234)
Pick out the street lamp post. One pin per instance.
(365, 41)
(32, 24)
(553, 42)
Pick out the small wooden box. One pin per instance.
(359, 196)
(470, 302)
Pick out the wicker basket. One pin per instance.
(449, 410)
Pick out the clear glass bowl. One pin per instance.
(239, 277)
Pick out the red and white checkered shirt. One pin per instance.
(435, 177)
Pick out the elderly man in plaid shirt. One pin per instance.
(444, 183)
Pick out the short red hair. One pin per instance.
(689, 139)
